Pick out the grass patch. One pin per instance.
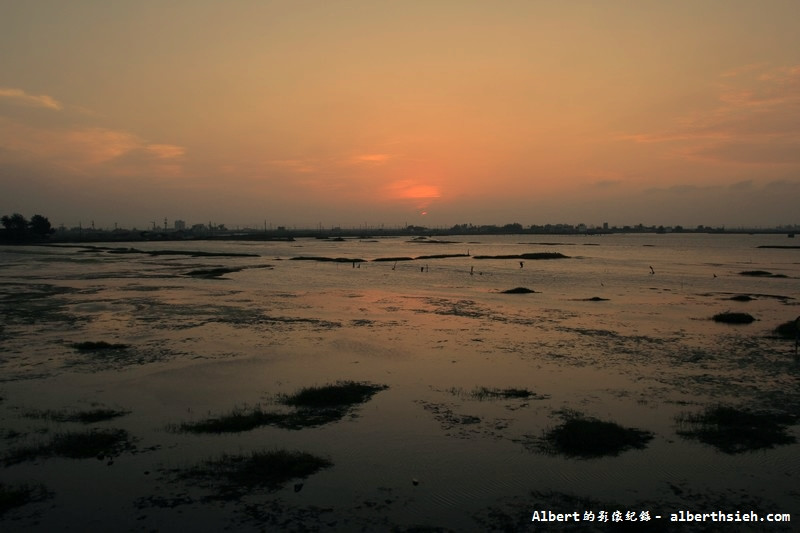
(234, 475)
(12, 497)
(787, 330)
(485, 393)
(339, 394)
(211, 273)
(238, 420)
(588, 438)
(729, 317)
(519, 290)
(732, 430)
(327, 259)
(99, 346)
(89, 416)
(761, 274)
(313, 406)
(75, 445)
(532, 256)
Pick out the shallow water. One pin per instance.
(430, 330)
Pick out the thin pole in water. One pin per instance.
(796, 334)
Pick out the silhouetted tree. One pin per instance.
(16, 226)
(40, 226)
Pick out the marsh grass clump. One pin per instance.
(761, 274)
(730, 317)
(12, 496)
(75, 445)
(212, 273)
(339, 394)
(533, 256)
(99, 346)
(732, 430)
(238, 420)
(485, 393)
(589, 438)
(89, 416)
(234, 475)
(328, 259)
(519, 290)
(312, 407)
(787, 330)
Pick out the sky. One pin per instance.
(388, 113)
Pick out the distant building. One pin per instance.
(180, 225)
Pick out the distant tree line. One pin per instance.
(16, 228)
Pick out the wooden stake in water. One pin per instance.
(796, 334)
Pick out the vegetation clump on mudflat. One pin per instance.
(730, 317)
(234, 475)
(787, 330)
(328, 259)
(98, 346)
(486, 393)
(89, 416)
(761, 274)
(312, 406)
(75, 445)
(588, 438)
(532, 256)
(13, 496)
(339, 394)
(519, 290)
(732, 430)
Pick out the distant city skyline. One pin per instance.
(431, 113)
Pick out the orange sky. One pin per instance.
(344, 113)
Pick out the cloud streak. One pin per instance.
(20, 97)
(755, 121)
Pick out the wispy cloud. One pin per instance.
(165, 151)
(755, 121)
(20, 97)
(90, 151)
(372, 158)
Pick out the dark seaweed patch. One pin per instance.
(35, 303)
(485, 393)
(340, 394)
(588, 438)
(519, 290)
(328, 259)
(13, 496)
(313, 406)
(76, 445)
(732, 430)
(761, 274)
(213, 272)
(441, 256)
(234, 475)
(238, 420)
(89, 416)
(787, 330)
(729, 317)
(97, 346)
(532, 256)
